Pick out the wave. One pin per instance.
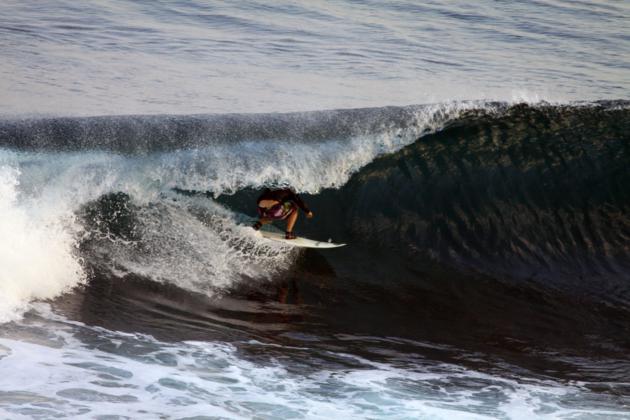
(532, 192)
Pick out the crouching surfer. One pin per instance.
(280, 205)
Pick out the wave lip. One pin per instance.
(160, 133)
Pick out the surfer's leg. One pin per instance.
(290, 223)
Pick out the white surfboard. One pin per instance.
(299, 241)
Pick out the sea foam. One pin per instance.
(37, 252)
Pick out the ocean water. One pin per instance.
(474, 156)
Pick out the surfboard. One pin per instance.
(299, 241)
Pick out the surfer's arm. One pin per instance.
(300, 203)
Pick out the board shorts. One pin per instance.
(278, 212)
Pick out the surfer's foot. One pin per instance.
(257, 225)
(289, 235)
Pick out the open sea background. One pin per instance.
(474, 156)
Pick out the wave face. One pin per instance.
(538, 193)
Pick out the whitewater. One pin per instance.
(474, 157)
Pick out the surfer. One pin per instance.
(280, 205)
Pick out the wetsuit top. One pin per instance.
(283, 196)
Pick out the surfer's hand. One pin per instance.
(309, 214)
